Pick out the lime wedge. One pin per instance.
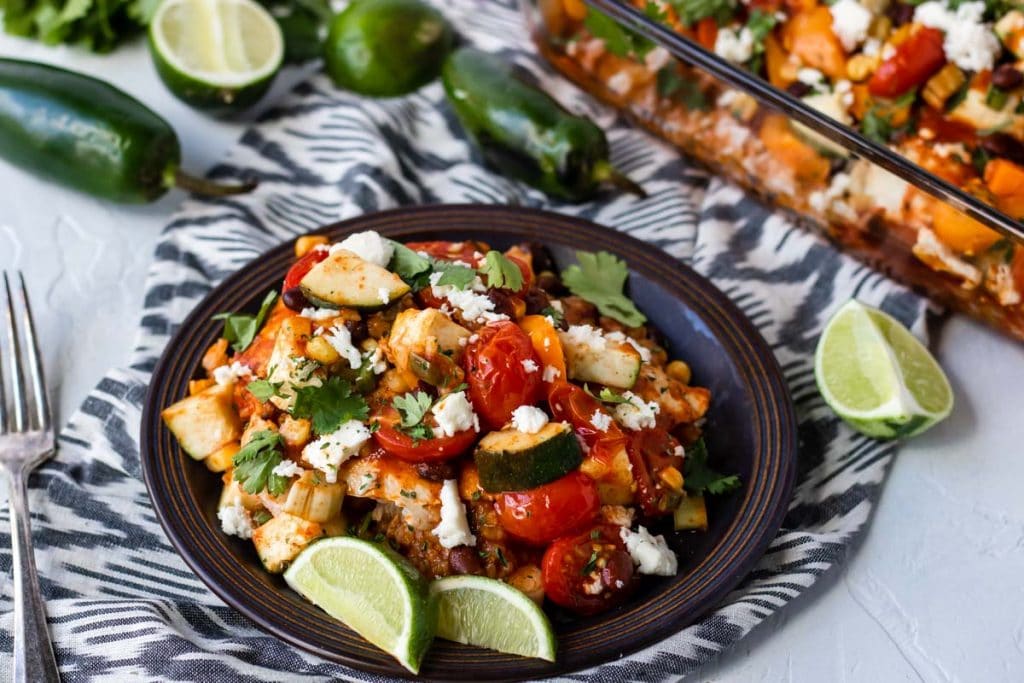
(217, 55)
(877, 376)
(373, 590)
(488, 613)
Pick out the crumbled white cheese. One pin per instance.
(679, 451)
(735, 46)
(318, 313)
(471, 303)
(340, 340)
(1000, 281)
(823, 200)
(636, 413)
(584, 335)
(474, 338)
(620, 82)
(844, 90)
(656, 59)
(936, 254)
(453, 529)
(601, 420)
(811, 77)
(384, 294)
(328, 452)
(551, 373)
(872, 46)
(645, 353)
(288, 469)
(650, 554)
(850, 23)
(529, 419)
(969, 42)
(369, 246)
(378, 363)
(235, 521)
(454, 414)
(229, 374)
(530, 366)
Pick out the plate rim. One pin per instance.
(653, 258)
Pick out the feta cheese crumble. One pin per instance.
(378, 363)
(850, 23)
(636, 413)
(235, 521)
(735, 46)
(530, 366)
(551, 373)
(969, 42)
(585, 335)
(369, 246)
(229, 374)
(453, 529)
(340, 340)
(454, 414)
(472, 304)
(328, 452)
(287, 469)
(650, 554)
(384, 295)
(529, 419)
(318, 313)
(645, 353)
(601, 420)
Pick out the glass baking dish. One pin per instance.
(618, 53)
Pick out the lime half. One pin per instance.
(488, 613)
(218, 55)
(373, 590)
(877, 376)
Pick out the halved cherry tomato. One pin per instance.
(913, 63)
(651, 452)
(403, 446)
(546, 345)
(589, 573)
(542, 514)
(469, 251)
(302, 267)
(498, 379)
(569, 403)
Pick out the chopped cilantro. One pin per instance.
(329, 405)
(264, 389)
(501, 272)
(692, 11)
(255, 462)
(410, 266)
(501, 557)
(676, 87)
(760, 24)
(600, 278)
(459, 277)
(412, 408)
(606, 395)
(241, 328)
(556, 315)
(617, 39)
(262, 517)
(590, 565)
(699, 478)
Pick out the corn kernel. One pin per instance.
(320, 350)
(860, 67)
(306, 243)
(880, 27)
(672, 478)
(679, 371)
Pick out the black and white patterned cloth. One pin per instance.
(122, 604)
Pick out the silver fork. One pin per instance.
(26, 441)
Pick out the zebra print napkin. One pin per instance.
(122, 603)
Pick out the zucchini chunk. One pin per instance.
(204, 422)
(617, 365)
(344, 279)
(510, 460)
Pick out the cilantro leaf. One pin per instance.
(700, 478)
(254, 464)
(600, 278)
(606, 395)
(410, 266)
(263, 389)
(692, 11)
(459, 277)
(329, 405)
(617, 39)
(241, 328)
(501, 272)
(556, 315)
(674, 86)
(760, 24)
(412, 407)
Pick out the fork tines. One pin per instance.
(29, 409)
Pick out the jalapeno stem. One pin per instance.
(209, 188)
(605, 172)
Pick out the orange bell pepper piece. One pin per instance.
(546, 343)
(775, 59)
(778, 136)
(1006, 181)
(810, 37)
(960, 232)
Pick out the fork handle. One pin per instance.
(33, 652)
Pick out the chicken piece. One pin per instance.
(678, 403)
(385, 479)
(280, 540)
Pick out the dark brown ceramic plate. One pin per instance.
(751, 431)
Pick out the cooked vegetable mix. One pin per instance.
(428, 396)
(87, 134)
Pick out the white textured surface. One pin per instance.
(933, 594)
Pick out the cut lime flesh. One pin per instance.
(488, 613)
(216, 53)
(877, 376)
(373, 590)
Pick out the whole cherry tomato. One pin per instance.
(542, 514)
(652, 451)
(403, 446)
(915, 60)
(301, 267)
(589, 573)
(496, 371)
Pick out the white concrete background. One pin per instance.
(934, 593)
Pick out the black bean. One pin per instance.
(436, 471)
(541, 257)
(463, 559)
(358, 330)
(295, 299)
(536, 300)
(798, 89)
(502, 302)
(901, 13)
(1006, 77)
(1004, 145)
